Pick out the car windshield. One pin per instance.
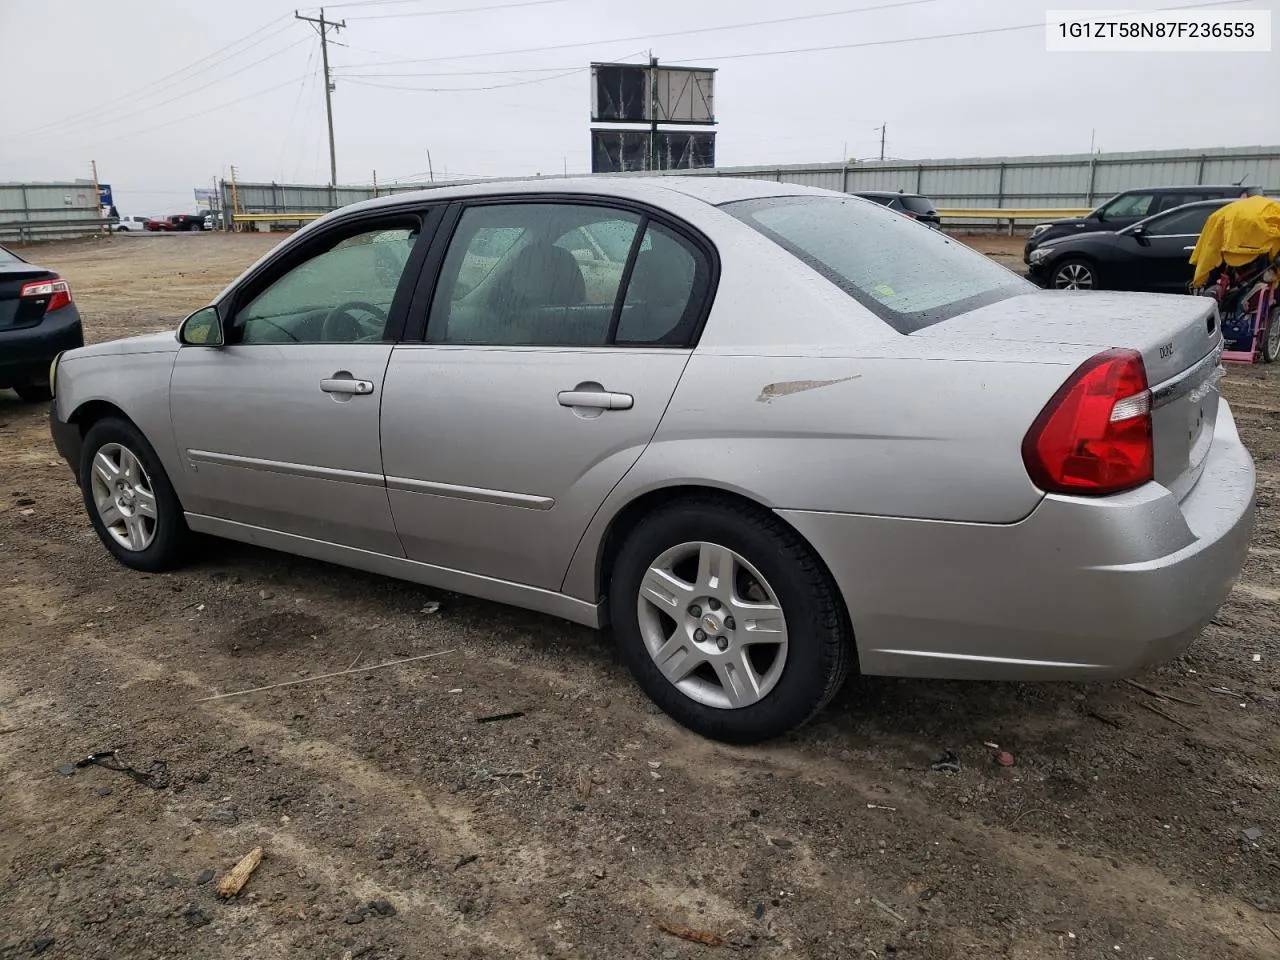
(909, 276)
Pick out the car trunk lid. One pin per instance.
(1177, 336)
(16, 312)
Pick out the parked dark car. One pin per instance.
(913, 205)
(1151, 255)
(1127, 208)
(37, 322)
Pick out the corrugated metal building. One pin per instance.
(48, 211)
(1063, 181)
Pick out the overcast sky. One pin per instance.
(166, 95)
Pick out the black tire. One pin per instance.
(1060, 276)
(171, 538)
(820, 643)
(1271, 337)
(34, 393)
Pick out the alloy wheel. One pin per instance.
(1073, 276)
(124, 497)
(713, 625)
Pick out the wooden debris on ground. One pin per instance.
(231, 884)
(704, 937)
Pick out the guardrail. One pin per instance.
(1009, 215)
(275, 217)
(27, 231)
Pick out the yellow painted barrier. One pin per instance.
(1012, 213)
(270, 217)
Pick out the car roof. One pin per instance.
(886, 193)
(1198, 188)
(714, 190)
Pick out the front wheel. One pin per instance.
(728, 620)
(130, 500)
(1074, 275)
(1271, 342)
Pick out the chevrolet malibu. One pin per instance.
(768, 433)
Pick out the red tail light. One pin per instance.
(58, 292)
(1094, 436)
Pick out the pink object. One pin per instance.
(1005, 758)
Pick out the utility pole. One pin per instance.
(97, 194)
(322, 25)
(235, 199)
(375, 183)
(653, 112)
(883, 128)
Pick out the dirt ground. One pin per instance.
(1129, 826)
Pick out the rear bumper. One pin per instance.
(1081, 588)
(25, 354)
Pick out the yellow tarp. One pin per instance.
(1238, 233)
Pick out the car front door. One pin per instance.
(278, 427)
(1163, 252)
(555, 337)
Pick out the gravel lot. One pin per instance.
(589, 824)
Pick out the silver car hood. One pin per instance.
(164, 342)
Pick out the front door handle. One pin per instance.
(347, 386)
(595, 399)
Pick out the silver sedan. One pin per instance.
(768, 433)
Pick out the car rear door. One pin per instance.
(545, 366)
(1166, 247)
(278, 428)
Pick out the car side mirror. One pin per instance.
(202, 329)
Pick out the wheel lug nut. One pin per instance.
(722, 643)
(713, 603)
(729, 622)
(695, 611)
(699, 634)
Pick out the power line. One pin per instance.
(458, 73)
(655, 36)
(443, 13)
(98, 110)
(495, 86)
(181, 96)
(182, 119)
(933, 36)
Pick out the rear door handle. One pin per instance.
(358, 388)
(595, 399)
(1188, 249)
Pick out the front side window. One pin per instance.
(1131, 205)
(920, 205)
(522, 274)
(908, 276)
(342, 294)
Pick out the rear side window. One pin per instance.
(1181, 222)
(7, 257)
(908, 276)
(918, 204)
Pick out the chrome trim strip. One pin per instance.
(1186, 381)
(502, 498)
(289, 469)
(974, 658)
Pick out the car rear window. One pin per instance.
(7, 257)
(909, 276)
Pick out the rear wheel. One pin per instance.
(728, 620)
(130, 500)
(1271, 343)
(34, 392)
(1074, 275)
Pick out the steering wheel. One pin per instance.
(341, 325)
